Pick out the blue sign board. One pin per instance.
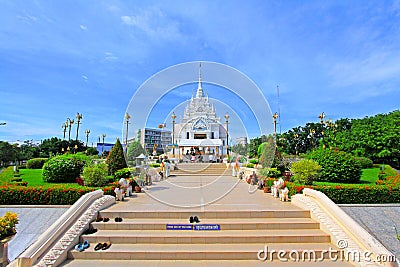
(179, 227)
(207, 227)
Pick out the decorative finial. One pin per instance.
(199, 93)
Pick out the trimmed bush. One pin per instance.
(95, 175)
(64, 168)
(336, 166)
(270, 172)
(250, 165)
(354, 194)
(386, 172)
(254, 161)
(365, 162)
(36, 163)
(124, 173)
(305, 171)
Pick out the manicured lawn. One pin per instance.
(368, 176)
(6, 175)
(34, 178)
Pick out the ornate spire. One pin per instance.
(200, 92)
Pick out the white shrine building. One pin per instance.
(200, 131)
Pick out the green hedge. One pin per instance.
(365, 162)
(354, 194)
(36, 163)
(337, 166)
(19, 195)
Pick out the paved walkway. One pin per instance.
(379, 221)
(33, 221)
(202, 194)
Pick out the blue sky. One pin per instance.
(62, 57)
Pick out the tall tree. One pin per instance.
(116, 158)
(134, 150)
(7, 153)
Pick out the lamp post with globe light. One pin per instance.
(275, 117)
(102, 148)
(64, 126)
(87, 132)
(227, 134)
(173, 116)
(69, 123)
(127, 117)
(78, 118)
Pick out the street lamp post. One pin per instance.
(173, 116)
(296, 146)
(127, 117)
(64, 127)
(78, 118)
(227, 134)
(102, 148)
(275, 116)
(312, 133)
(87, 132)
(321, 117)
(69, 124)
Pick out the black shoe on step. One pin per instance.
(196, 220)
(191, 220)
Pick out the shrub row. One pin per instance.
(354, 194)
(17, 195)
(36, 163)
(387, 171)
(365, 162)
(391, 180)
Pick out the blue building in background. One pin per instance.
(106, 148)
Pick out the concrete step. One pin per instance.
(204, 251)
(208, 237)
(200, 263)
(227, 214)
(225, 224)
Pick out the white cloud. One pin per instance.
(110, 56)
(155, 23)
(375, 68)
(85, 78)
(27, 18)
(83, 27)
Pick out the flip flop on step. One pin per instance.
(85, 244)
(98, 246)
(106, 245)
(79, 247)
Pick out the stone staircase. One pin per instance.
(141, 239)
(201, 169)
